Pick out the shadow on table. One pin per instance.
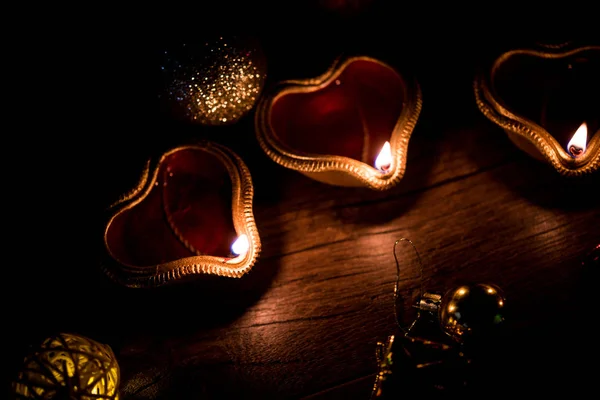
(66, 291)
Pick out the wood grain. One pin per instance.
(330, 295)
(328, 260)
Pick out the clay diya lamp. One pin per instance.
(190, 215)
(348, 127)
(547, 99)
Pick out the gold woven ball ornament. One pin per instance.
(69, 366)
(213, 83)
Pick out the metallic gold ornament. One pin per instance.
(68, 366)
(466, 312)
(410, 363)
(472, 311)
(214, 83)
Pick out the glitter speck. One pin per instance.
(229, 81)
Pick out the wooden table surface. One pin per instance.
(305, 321)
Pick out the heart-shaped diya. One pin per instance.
(348, 127)
(547, 99)
(191, 214)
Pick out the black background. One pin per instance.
(86, 113)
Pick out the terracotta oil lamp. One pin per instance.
(348, 127)
(547, 99)
(190, 215)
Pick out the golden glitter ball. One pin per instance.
(69, 366)
(213, 83)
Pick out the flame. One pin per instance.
(241, 245)
(383, 162)
(579, 141)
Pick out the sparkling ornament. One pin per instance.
(410, 363)
(214, 83)
(68, 366)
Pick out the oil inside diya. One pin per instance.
(191, 216)
(547, 101)
(348, 127)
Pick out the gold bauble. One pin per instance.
(68, 366)
(472, 311)
(213, 83)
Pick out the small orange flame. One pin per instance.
(383, 162)
(578, 142)
(241, 245)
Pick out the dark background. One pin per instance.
(85, 130)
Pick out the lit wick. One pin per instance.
(383, 162)
(578, 142)
(575, 151)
